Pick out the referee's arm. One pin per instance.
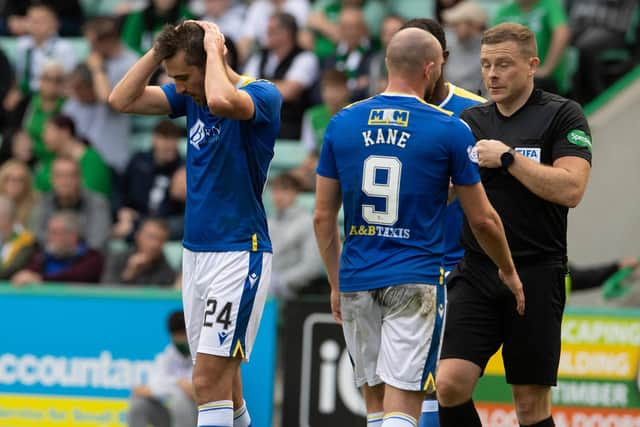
(562, 183)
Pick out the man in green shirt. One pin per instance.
(548, 21)
(59, 138)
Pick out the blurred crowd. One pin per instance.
(93, 196)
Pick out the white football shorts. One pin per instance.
(394, 334)
(223, 294)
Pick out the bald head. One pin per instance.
(410, 49)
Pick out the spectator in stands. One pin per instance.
(290, 68)
(6, 82)
(140, 27)
(548, 20)
(67, 194)
(108, 61)
(65, 257)
(41, 45)
(378, 68)
(353, 53)
(594, 276)
(105, 129)
(296, 261)
(17, 145)
(46, 103)
(597, 25)
(467, 22)
(228, 15)
(60, 139)
(257, 19)
(146, 263)
(16, 243)
(145, 184)
(15, 21)
(16, 184)
(335, 96)
(168, 399)
(323, 28)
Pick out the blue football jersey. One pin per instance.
(457, 100)
(393, 155)
(227, 164)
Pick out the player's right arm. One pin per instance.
(133, 95)
(325, 224)
(487, 227)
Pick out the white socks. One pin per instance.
(398, 419)
(216, 414)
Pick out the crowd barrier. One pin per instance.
(69, 356)
(598, 386)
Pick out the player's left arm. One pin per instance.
(223, 98)
(565, 180)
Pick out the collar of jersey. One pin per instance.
(405, 95)
(449, 95)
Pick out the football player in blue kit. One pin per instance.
(232, 125)
(388, 160)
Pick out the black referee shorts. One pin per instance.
(482, 316)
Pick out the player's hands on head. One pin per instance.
(489, 152)
(213, 37)
(335, 306)
(513, 282)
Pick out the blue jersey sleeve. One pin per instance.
(327, 162)
(177, 101)
(463, 158)
(267, 101)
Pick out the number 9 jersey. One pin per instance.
(394, 155)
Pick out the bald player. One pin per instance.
(389, 160)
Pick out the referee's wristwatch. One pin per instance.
(506, 159)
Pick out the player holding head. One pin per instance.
(388, 160)
(232, 125)
(534, 152)
(455, 99)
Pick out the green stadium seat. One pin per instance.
(117, 246)
(413, 9)
(142, 123)
(307, 201)
(140, 141)
(173, 253)
(8, 46)
(80, 47)
(288, 155)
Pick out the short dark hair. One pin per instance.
(175, 322)
(429, 25)
(288, 22)
(509, 31)
(334, 77)
(288, 181)
(168, 129)
(104, 27)
(188, 37)
(158, 222)
(82, 72)
(64, 122)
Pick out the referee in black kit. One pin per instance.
(534, 151)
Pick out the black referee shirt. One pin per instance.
(546, 128)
